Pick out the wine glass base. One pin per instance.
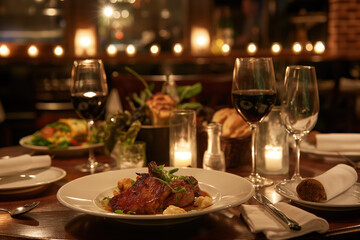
(97, 167)
(258, 181)
(296, 178)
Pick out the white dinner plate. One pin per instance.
(30, 180)
(70, 151)
(84, 194)
(348, 200)
(310, 148)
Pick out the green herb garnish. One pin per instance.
(119, 211)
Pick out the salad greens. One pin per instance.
(119, 128)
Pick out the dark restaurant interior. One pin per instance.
(35, 88)
(185, 103)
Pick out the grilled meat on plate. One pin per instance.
(156, 190)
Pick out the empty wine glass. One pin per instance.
(253, 95)
(299, 106)
(89, 91)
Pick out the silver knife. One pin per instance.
(293, 225)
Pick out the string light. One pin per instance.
(178, 49)
(252, 48)
(155, 50)
(4, 50)
(319, 47)
(297, 48)
(225, 49)
(309, 47)
(276, 48)
(108, 11)
(58, 51)
(111, 50)
(130, 50)
(33, 51)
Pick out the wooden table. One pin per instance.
(51, 220)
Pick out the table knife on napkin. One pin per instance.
(293, 225)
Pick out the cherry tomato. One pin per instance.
(74, 142)
(78, 141)
(47, 132)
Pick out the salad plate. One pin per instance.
(348, 200)
(30, 181)
(70, 151)
(226, 190)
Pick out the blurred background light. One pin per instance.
(178, 49)
(225, 49)
(130, 50)
(200, 40)
(296, 48)
(251, 48)
(4, 50)
(111, 50)
(319, 47)
(58, 51)
(33, 51)
(276, 48)
(155, 49)
(309, 47)
(108, 11)
(85, 42)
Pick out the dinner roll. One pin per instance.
(233, 125)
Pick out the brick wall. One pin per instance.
(344, 28)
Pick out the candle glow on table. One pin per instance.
(273, 158)
(182, 154)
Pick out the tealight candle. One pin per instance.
(273, 158)
(272, 148)
(182, 138)
(182, 154)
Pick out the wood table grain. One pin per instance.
(52, 220)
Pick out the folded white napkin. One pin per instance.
(22, 163)
(260, 220)
(337, 142)
(337, 180)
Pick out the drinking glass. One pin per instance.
(299, 106)
(253, 95)
(89, 91)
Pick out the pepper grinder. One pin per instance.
(214, 158)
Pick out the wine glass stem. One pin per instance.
(297, 175)
(91, 160)
(253, 150)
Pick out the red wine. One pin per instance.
(253, 105)
(89, 107)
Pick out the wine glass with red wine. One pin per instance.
(253, 95)
(299, 106)
(89, 91)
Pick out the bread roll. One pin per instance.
(233, 125)
(221, 115)
(311, 190)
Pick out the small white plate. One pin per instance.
(30, 180)
(70, 151)
(348, 200)
(310, 148)
(226, 190)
